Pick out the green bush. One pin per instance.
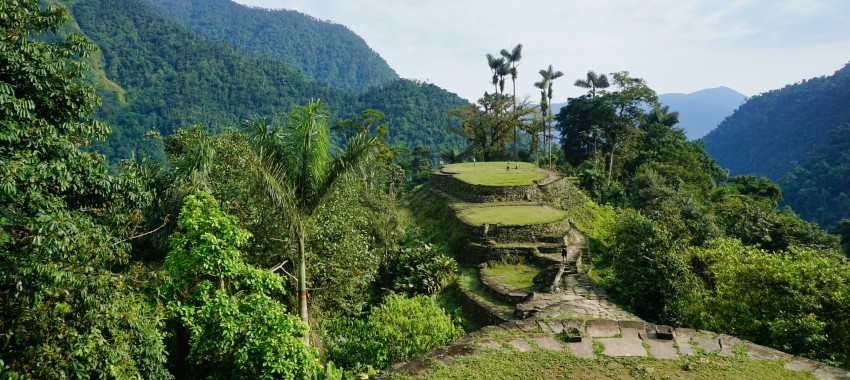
(419, 268)
(650, 275)
(393, 332)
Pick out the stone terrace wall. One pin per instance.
(484, 194)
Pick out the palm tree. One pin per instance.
(593, 82)
(544, 107)
(549, 75)
(497, 65)
(512, 58)
(294, 169)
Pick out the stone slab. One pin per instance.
(600, 328)
(555, 326)
(632, 329)
(662, 348)
(583, 349)
(520, 344)
(757, 352)
(802, 364)
(548, 342)
(490, 343)
(527, 325)
(709, 343)
(620, 347)
(727, 344)
(683, 340)
(827, 372)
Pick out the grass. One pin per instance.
(494, 173)
(519, 276)
(511, 215)
(547, 364)
(468, 280)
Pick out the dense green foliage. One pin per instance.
(323, 51)
(71, 305)
(819, 188)
(165, 76)
(795, 299)
(236, 329)
(675, 205)
(756, 139)
(397, 329)
(419, 268)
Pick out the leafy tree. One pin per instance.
(650, 275)
(486, 125)
(296, 172)
(226, 308)
(70, 305)
(593, 82)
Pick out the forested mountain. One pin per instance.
(701, 111)
(324, 51)
(167, 76)
(772, 130)
(819, 189)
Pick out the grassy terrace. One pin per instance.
(546, 364)
(520, 276)
(512, 215)
(494, 173)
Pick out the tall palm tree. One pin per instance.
(293, 167)
(549, 75)
(544, 108)
(593, 82)
(512, 58)
(497, 66)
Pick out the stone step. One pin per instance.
(551, 239)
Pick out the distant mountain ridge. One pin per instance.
(702, 111)
(774, 129)
(322, 50)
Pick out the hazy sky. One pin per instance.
(752, 46)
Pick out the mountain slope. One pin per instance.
(772, 130)
(172, 77)
(324, 51)
(701, 111)
(819, 189)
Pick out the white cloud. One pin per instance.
(677, 46)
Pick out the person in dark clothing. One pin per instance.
(564, 252)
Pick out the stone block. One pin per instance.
(598, 328)
(582, 349)
(632, 329)
(520, 344)
(662, 348)
(548, 342)
(706, 341)
(620, 347)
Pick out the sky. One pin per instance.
(683, 46)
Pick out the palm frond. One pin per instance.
(356, 153)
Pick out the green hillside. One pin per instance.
(322, 50)
(155, 75)
(772, 130)
(819, 189)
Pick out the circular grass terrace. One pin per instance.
(494, 173)
(510, 215)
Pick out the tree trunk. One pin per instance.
(611, 164)
(302, 282)
(515, 121)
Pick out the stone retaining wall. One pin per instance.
(485, 194)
